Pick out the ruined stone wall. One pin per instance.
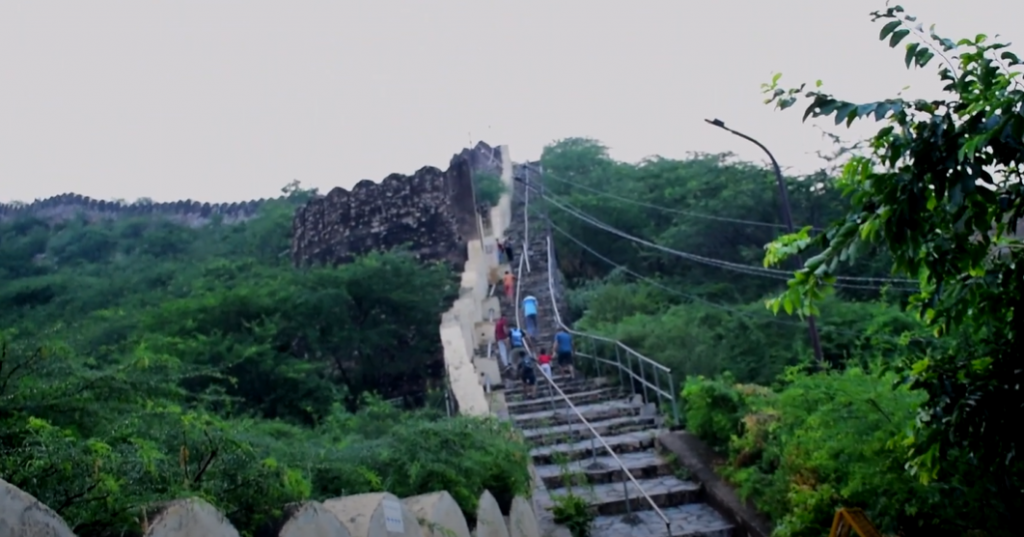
(433, 212)
(187, 212)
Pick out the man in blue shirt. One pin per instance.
(517, 339)
(564, 350)
(530, 311)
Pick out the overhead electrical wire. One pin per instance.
(736, 267)
(668, 209)
(549, 175)
(658, 284)
(695, 298)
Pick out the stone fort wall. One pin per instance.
(433, 212)
(187, 212)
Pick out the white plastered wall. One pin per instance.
(468, 324)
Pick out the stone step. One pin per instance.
(577, 385)
(574, 432)
(581, 449)
(593, 412)
(574, 383)
(690, 520)
(622, 497)
(604, 469)
(545, 402)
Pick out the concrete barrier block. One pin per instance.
(377, 514)
(522, 521)
(310, 519)
(189, 517)
(21, 515)
(438, 515)
(489, 520)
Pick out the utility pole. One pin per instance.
(543, 183)
(787, 216)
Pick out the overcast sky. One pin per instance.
(219, 100)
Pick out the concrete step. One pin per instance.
(574, 432)
(690, 520)
(604, 469)
(622, 497)
(514, 390)
(544, 402)
(581, 449)
(578, 385)
(592, 412)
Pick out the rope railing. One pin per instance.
(552, 386)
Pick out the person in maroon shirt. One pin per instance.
(501, 338)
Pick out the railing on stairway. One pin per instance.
(660, 375)
(652, 377)
(553, 387)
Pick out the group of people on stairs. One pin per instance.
(515, 356)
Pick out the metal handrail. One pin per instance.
(594, 433)
(659, 370)
(623, 369)
(551, 383)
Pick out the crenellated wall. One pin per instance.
(187, 212)
(432, 211)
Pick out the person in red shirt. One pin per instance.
(544, 359)
(501, 338)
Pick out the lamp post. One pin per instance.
(787, 215)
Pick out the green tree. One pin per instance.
(940, 190)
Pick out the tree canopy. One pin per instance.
(143, 360)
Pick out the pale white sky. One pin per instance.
(230, 100)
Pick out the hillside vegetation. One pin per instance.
(144, 360)
(911, 270)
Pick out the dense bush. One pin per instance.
(815, 444)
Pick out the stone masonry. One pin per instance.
(566, 456)
(433, 212)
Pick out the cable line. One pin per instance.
(705, 301)
(736, 267)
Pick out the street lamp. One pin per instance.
(787, 215)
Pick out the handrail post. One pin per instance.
(629, 508)
(618, 361)
(672, 401)
(643, 380)
(551, 392)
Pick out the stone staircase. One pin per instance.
(565, 452)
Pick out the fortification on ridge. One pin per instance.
(188, 212)
(433, 212)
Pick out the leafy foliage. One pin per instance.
(488, 188)
(817, 443)
(144, 360)
(940, 190)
